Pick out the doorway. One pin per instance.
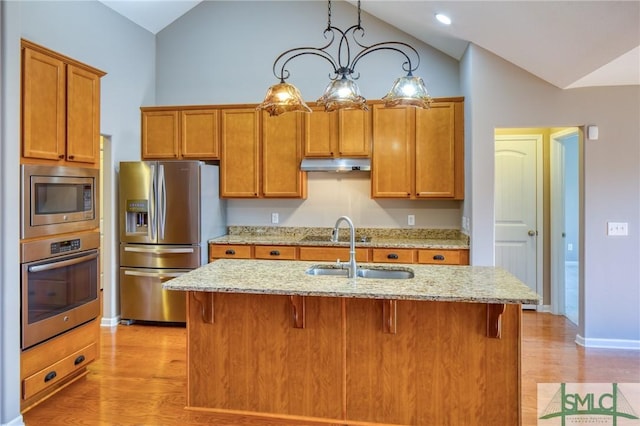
(564, 186)
(537, 200)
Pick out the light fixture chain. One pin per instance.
(329, 15)
(359, 20)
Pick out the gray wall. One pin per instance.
(223, 52)
(94, 34)
(499, 94)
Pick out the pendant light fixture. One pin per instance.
(343, 92)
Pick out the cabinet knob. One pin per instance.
(50, 376)
(438, 257)
(274, 253)
(230, 252)
(79, 360)
(61, 156)
(392, 256)
(71, 157)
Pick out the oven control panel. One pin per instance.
(65, 246)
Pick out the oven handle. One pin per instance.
(62, 263)
(159, 251)
(154, 274)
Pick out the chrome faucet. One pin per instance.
(352, 243)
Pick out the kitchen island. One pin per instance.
(443, 347)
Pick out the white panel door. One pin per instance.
(516, 206)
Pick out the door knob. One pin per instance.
(531, 232)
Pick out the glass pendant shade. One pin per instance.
(342, 94)
(408, 91)
(281, 98)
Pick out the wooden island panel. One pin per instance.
(253, 359)
(439, 368)
(343, 364)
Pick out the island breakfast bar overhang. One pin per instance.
(266, 339)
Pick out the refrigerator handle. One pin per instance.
(154, 274)
(162, 202)
(152, 204)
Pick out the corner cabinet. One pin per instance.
(344, 133)
(174, 133)
(60, 108)
(260, 155)
(418, 153)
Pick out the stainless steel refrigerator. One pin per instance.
(168, 212)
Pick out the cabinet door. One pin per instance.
(239, 153)
(83, 115)
(281, 156)
(435, 151)
(200, 134)
(354, 133)
(160, 134)
(320, 133)
(43, 107)
(392, 165)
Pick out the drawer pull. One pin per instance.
(392, 256)
(230, 252)
(274, 253)
(438, 257)
(79, 360)
(52, 375)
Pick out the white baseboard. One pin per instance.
(608, 343)
(18, 421)
(109, 322)
(545, 309)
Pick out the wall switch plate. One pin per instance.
(275, 218)
(617, 229)
(411, 219)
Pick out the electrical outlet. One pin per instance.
(275, 218)
(617, 229)
(411, 219)
(569, 247)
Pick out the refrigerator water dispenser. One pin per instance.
(137, 217)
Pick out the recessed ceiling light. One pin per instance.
(443, 19)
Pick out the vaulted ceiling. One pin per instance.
(566, 43)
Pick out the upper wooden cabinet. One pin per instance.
(260, 155)
(60, 108)
(172, 133)
(418, 153)
(344, 133)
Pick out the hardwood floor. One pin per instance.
(140, 378)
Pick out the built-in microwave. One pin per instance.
(57, 200)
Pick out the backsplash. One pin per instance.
(331, 195)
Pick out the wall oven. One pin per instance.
(60, 285)
(57, 200)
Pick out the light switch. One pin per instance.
(617, 229)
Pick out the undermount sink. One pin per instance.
(373, 273)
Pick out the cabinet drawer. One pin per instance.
(445, 257)
(331, 254)
(229, 251)
(275, 252)
(394, 255)
(58, 371)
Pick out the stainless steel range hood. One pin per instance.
(335, 165)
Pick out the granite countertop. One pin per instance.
(477, 284)
(365, 237)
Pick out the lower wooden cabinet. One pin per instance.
(332, 254)
(444, 257)
(52, 365)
